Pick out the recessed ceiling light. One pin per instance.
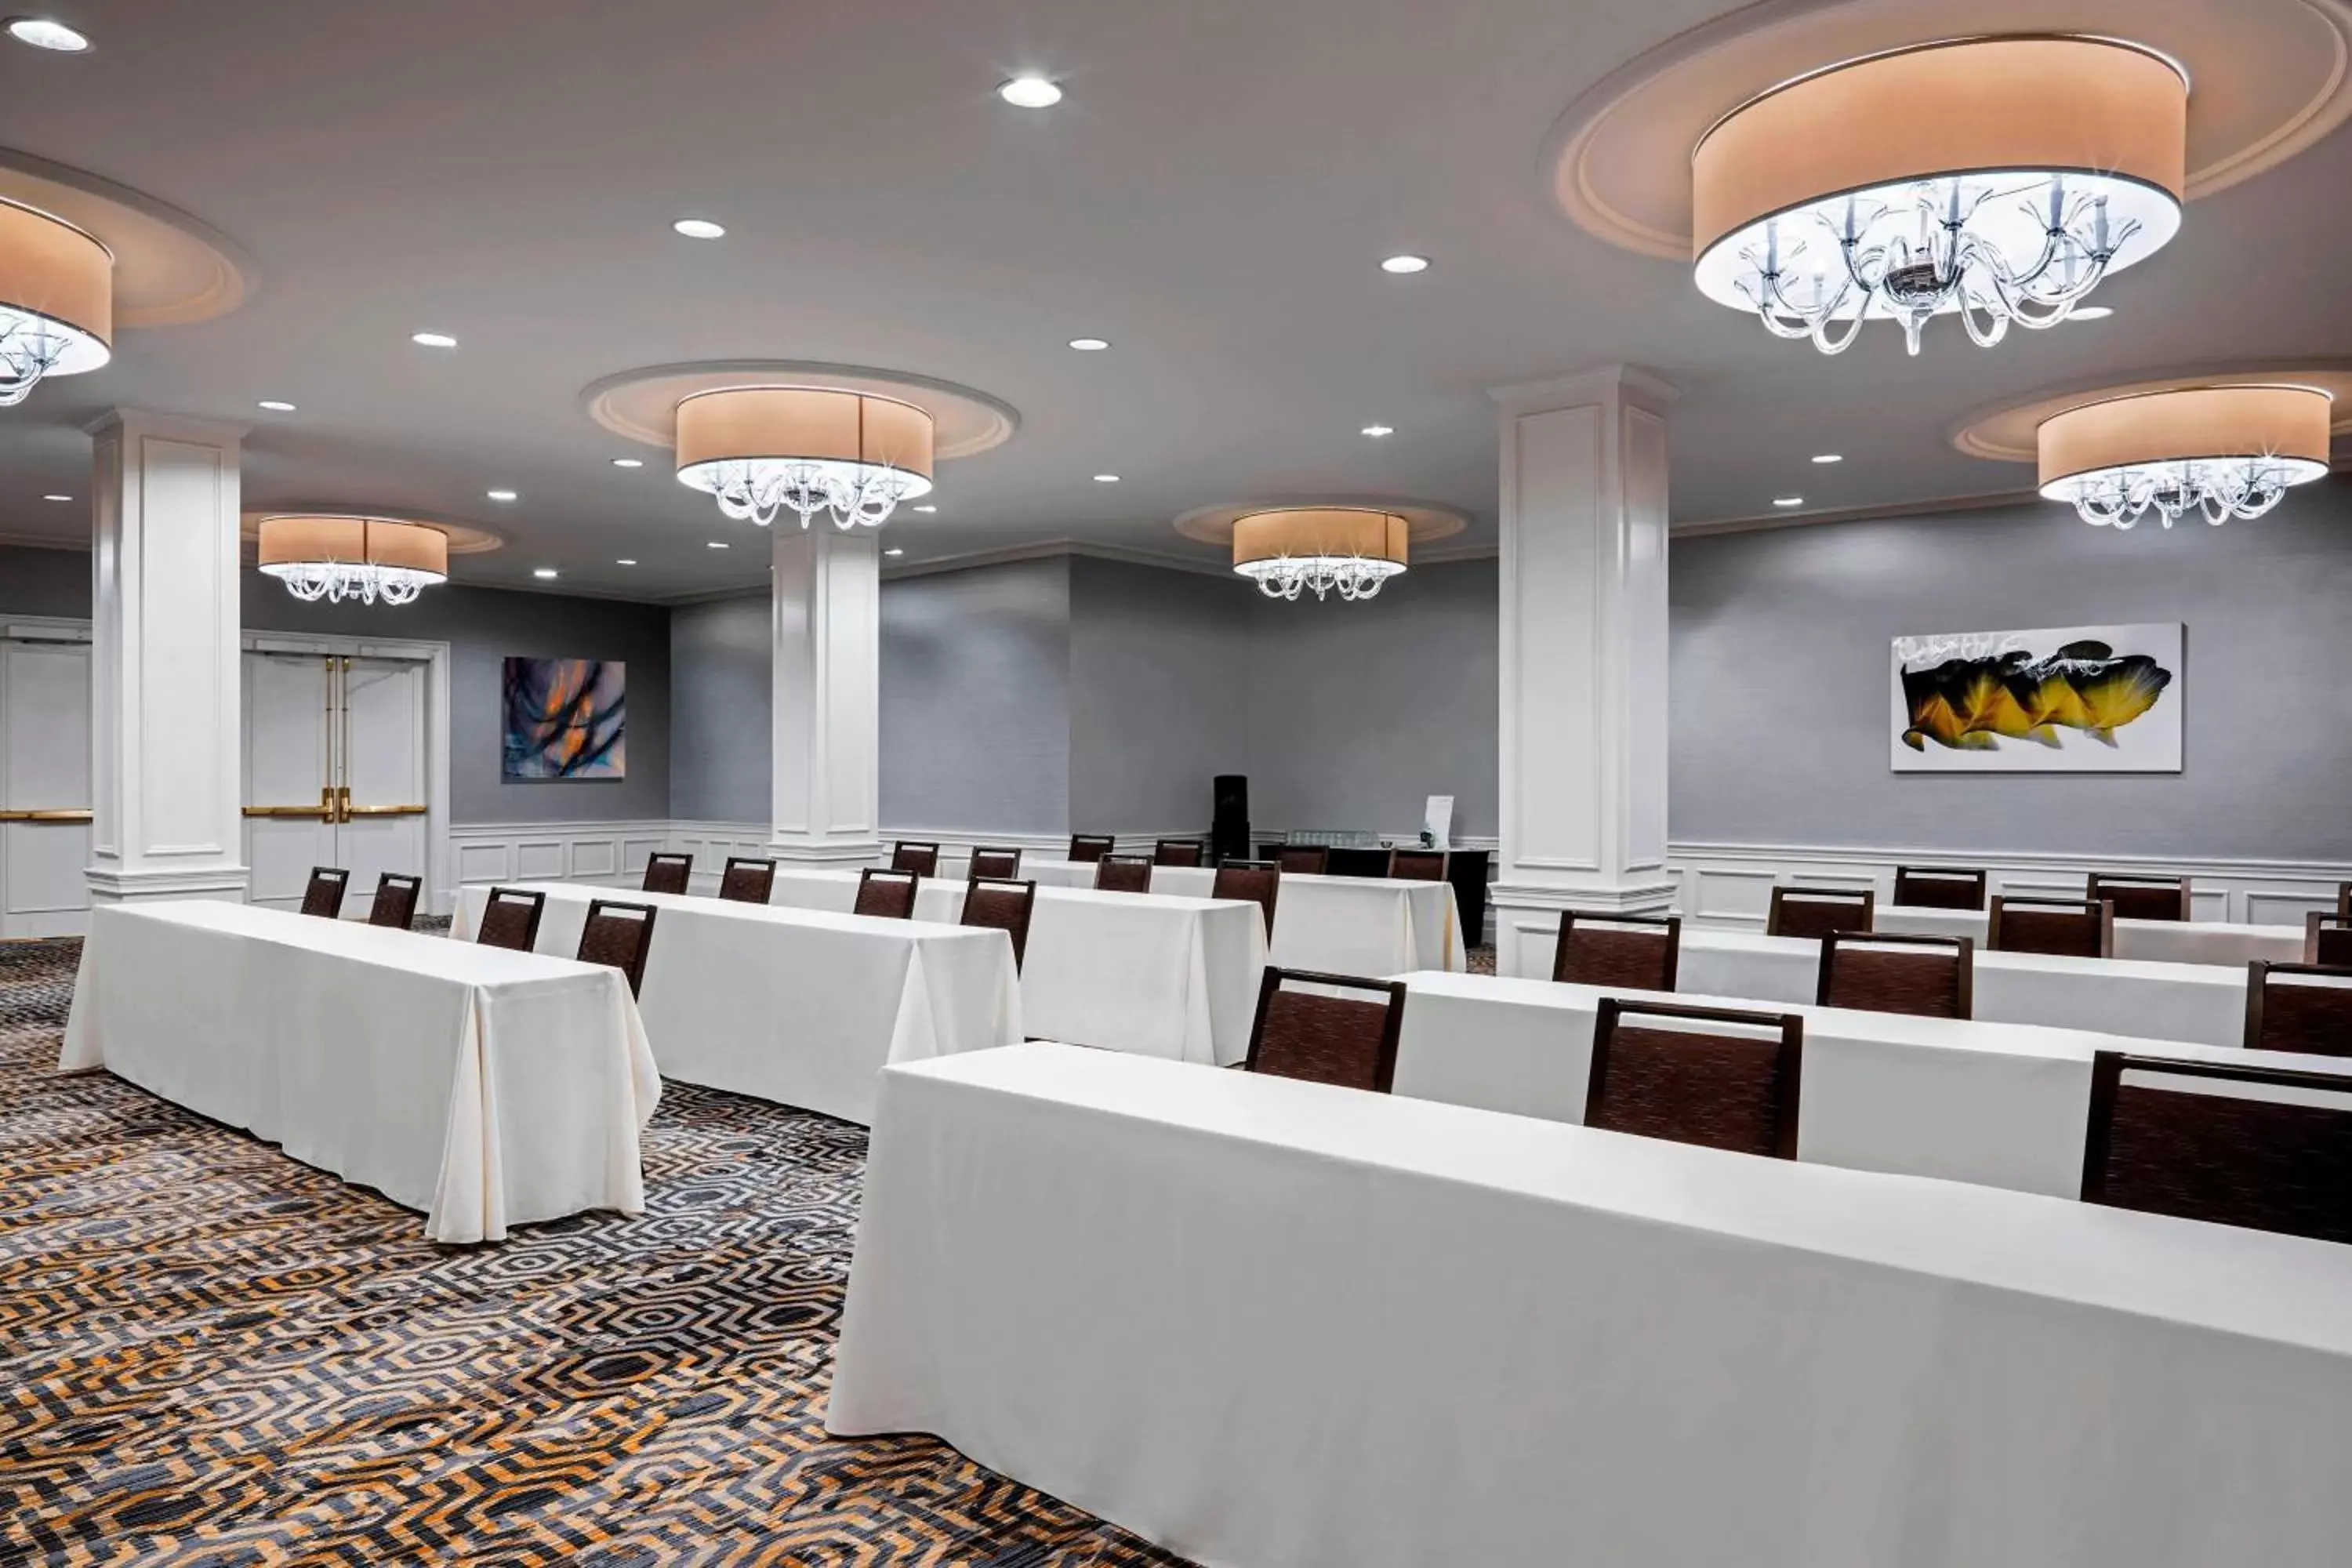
(1829, 457)
(1106, 478)
(1090, 345)
(545, 574)
(44, 34)
(57, 498)
(277, 405)
(500, 495)
(626, 560)
(1030, 92)
(2090, 312)
(1788, 500)
(1377, 431)
(927, 509)
(894, 553)
(628, 462)
(432, 339)
(699, 229)
(1405, 264)
(718, 544)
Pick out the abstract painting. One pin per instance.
(566, 719)
(2073, 699)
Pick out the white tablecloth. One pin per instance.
(2200, 1003)
(2157, 942)
(799, 1006)
(1126, 972)
(1283, 1323)
(488, 1088)
(2000, 1104)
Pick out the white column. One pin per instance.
(167, 738)
(827, 603)
(1583, 766)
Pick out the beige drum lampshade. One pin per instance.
(291, 544)
(790, 423)
(61, 277)
(1319, 532)
(2287, 424)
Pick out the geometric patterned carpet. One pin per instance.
(212, 1355)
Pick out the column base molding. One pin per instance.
(855, 852)
(113, 887)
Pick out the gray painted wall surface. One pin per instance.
(1781, 648)
(722, 671)
(44, 581)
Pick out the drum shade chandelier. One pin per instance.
(363, 558)
(1349, 550)
(2223, 451)
(56, 300)
(1998, 179)
(763, 450)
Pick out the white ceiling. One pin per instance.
(1214, 195)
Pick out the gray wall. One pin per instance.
(44, 581)
(722, 671)
(1779, 680)
(1159, 695)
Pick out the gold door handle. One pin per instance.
(56, 816)
(350, 811)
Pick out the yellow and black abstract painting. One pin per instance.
(2079, 700)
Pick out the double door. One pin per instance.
(45, 799)
(334, 771)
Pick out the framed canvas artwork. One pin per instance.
(566, 719)
(2071, 699)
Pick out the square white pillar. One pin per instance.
(827, 618)
(167, 736)
(1583, 618)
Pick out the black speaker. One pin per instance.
(1229, 829)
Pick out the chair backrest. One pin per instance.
(1260, 882)
(1304, 859)
(1123, 873)
(1323, 1038)
(922, 859)
(887, 894)
(395, 900)
(1178, 852)
(667, 874)
(2327, 939)
(2137, 898)
(1624, 953)
(1714, 1076)
(1419, 865)
(1002, 904)
(999, 865)
(2260, 1147)
(1931, 976)
(1817, 911)
(2070, 928)
(747, 881)
(323, 894)
(2299, 1007)
(620, 935)
(2344, 901)
(510, 919)
(1085, 847)
(1939, 888)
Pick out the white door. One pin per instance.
(45, 796)
(381, 783)
(334, 772)
(290, 801)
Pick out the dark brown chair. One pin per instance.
(888, 895)
(1123, 874)
(2070, 928)
(618, 935)
(510, 919)
(2344, 901)
(1939, 888)
(1624, 953)
(395, 900)
(1731, 1087)
(2327, 939)
(1259, 881)
(1179, 852)
(1002, 905)
(1323, 1038)
(2139, 898)
(996, 865)
(1304, 859)
(1088, 848)
(1419, 865)
(324, 893)
(667, 874)
(2163, 1146)
(1817, 911)
(922, 859)
(2299, 1007)
(1928, 976)
(747, 881)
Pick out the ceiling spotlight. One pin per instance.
(44, 34)
(927, 509)
(894, 553)
(2090, 312)
(628, 462)
(699, 228)
(57, 498)
(1829, 457)
(277, 405)
(432, 339)
(500, 495)
(1788, 500)
(1030, 92)
(1377, 431)
(626, 560)
(1089, 345)
(718, 544)
(1401, 264)
(1106, 478)
(544, 573)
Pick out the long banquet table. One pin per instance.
(488, 1088)
(2001, 1104)
(2157, 942)
(799, 1006)
(1128, 971)
(1281, 1322)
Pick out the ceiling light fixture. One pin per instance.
(927, 509)
(1030, 91)
(501, 495)
(763, 450)
(628, 462)
(1786, 502)
(2090, 313)
(544, 573)
(56, 300)
(57, 498)
(1106, 478)
(2222, 451)
(276, 406)
(1377, 431)
(1090, 345)
(1829, 457)
(1349, 550)
(893, 552)
(43, 34)
(699, 228)
(1405, 264)
(718, 544)
(1995, 178)
(432, 339)
(363, 558)
(626, 560)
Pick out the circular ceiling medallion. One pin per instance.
(464, 540)
(2268, 79)
(641, 405)
(168, 268)
(1427, 520)
(2007, 432)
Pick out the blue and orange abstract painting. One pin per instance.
(566, 719)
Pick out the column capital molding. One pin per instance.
(1616, 383)
(171, 426)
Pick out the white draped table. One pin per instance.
(2202, 1004)
(2158, 941)
(488, 1088)
(1126, 972)
(799, 1006)
(1286, 1323)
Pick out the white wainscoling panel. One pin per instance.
(601, 852)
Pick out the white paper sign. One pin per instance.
(1437, 821)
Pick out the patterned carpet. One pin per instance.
(212, 1355)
